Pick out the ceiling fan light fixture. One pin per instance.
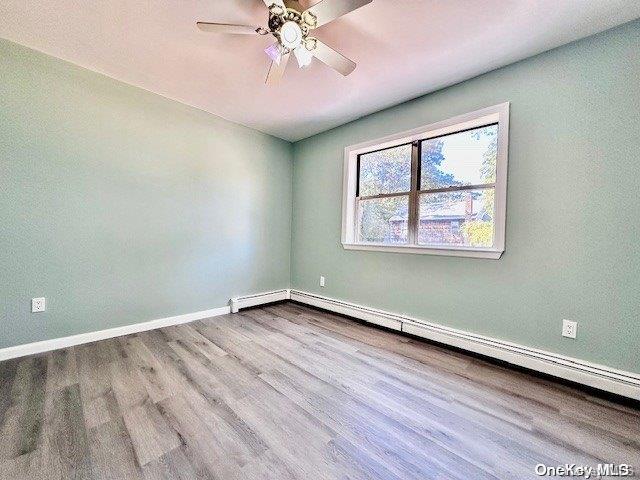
(291, 22)
(277, 9)
(274, 52)
(290, 35)
(310, 19)
(310, 43)
(303, 56)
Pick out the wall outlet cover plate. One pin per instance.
(569, 328)
(38, 305)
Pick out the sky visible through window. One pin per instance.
(464, 154)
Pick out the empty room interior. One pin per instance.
(319, 239)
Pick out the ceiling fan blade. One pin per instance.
(276, 71)
(328, 10)
(304, 4)
(229, 28)
(335, 60)
(279, 3)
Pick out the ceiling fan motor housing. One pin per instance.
(289, 26)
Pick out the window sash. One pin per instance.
(415, 193)
(443, 135)
(359, 165)
(448, 244)
(359, 201)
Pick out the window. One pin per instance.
(439, 189)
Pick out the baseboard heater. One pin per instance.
(258, 299)
(611, 380)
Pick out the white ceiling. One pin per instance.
(404, 48)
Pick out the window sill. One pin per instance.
(489, 253)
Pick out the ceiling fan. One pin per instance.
(291, 25)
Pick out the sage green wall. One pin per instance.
(120, 206)
(573, 227)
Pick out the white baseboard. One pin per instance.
(602, 377)
(65, 342)
(57, 343)
(258, 299)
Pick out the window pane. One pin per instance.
(384, 220)
(465, 158)
(463, 218)
(386, 171)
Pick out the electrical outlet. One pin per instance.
(321, 281)
(569, 328)
(38, 305)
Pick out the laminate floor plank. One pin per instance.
(22, 423)
(62, 369)
(156, 380)
(150, 435)
(65, 450)
(287, 392)
(112, 453)
(7, 374)
(176, 465)
(215, 452)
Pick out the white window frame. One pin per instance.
(496, 114)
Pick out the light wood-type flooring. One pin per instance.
(288, 392)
